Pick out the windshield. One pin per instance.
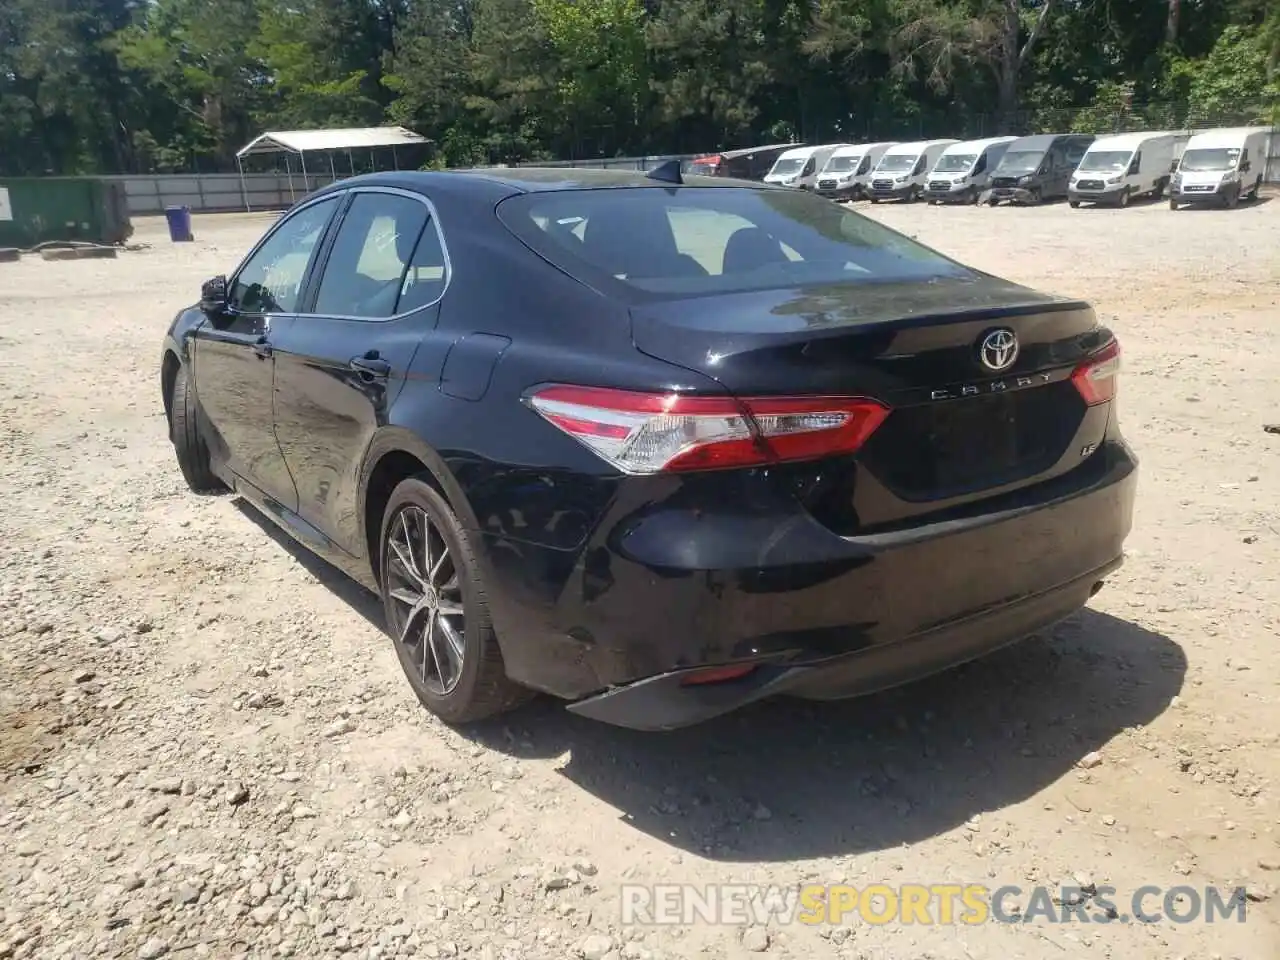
(786, 166)
(1022, 162)
(844, 164)
(1105, 161)
(955, 163)
(1202, 161)
(691, 241)
(896, 162)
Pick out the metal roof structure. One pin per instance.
(313, 141)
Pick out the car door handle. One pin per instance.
(262, 347)
(370, 366)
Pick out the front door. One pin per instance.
(341, 364)
(233, 353)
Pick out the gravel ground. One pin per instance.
(207, 747)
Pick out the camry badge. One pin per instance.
(998, 349)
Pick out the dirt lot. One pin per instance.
(207, 747)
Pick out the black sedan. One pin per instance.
(660, 447)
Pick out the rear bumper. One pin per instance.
(682, 574)
(664, 702)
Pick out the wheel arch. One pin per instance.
(395, 455)
(169, 367)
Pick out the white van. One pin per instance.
(904, 168)
(1116, 169)
(799, 167)
(847, 172)
(1221, 166)
(964, 170)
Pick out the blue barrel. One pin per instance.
(179, 224)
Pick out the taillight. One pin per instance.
(642, 433)
(698, 678)
(1096, 377)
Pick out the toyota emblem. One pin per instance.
(998, 350)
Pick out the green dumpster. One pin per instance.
(35, 210)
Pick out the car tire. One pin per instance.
(1074, 204)
(188, 442)
(875, 200)
(1173, 204)
(1124, 198)
(1158, 192)
(1257, 189)
(1232, 199)
(470, 683)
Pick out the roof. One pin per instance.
(1043, 141)
(1227, 136)
(530, 180)
(747, 151)
(918, 145)
(1132, 141)
(978, 145)
(350, 138)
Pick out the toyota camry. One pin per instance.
(657, 445)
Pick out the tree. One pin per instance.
(946, 38)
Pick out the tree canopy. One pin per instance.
(138, 86)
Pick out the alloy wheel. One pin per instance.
(423, 583)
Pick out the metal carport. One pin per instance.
(301, 142)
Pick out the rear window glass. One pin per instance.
(690, 240)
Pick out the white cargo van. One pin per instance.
(1221, 166)
(964, 170)
(1116, 169)
(799, 167)
(847, 172)
(904, 168)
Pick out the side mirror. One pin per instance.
(1244, 167)
(213, 295)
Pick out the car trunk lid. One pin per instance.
(958, 429)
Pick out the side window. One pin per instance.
(865, 166)
(370, 256)
(1136, 163)
(981, 165)
(424, 280)
(271, 280)
(809, 167)
(919, 167)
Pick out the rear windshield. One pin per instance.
(690, 241)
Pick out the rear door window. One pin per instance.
(368, 265)
(655, 243)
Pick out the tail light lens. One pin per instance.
(641, 433)
(1096, 377)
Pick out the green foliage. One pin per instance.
(176, 85)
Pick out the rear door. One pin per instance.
(233, 351)
(344, 360)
